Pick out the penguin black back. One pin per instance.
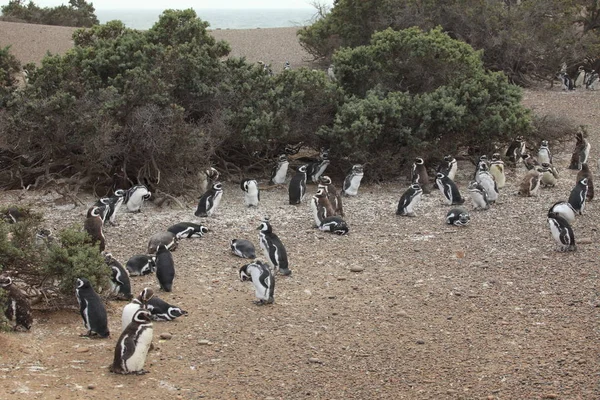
(165, 268)
(17, 305)
(92, 309)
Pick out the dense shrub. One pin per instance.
(78, 13)
(9, 68)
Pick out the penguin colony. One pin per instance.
(135, 338)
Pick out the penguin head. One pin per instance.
(482, 165)
(483, 158)
(357, 168)
(119, 193)
(323, 187)
(440, 175)
(519, 139)
(583, 182)
(416, 187)
(244, 184)
(203, 230)
(282, 158)
(419, 161)
(161, 248)
(145, 295)
(546, 167)
(218, 187)
(265, 227)
(245, 274)
(142, 316)
(95, 211)
(302, 169)
(473, 185)
(324, 153)
(544, 143)
(212, 174)
(539, 169)
(448, 158)
(175, 312)
(5, 281)
(325, 180)
(496, 157)
(552, 214)
(82, 283)
(320, 193)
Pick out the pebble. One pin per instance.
(91, 386)
(204, 342)
(420, 341)
(83, 349)
(315, 360)
(166, 336)
(550, 396)
(357, 269)
(402, 313)
(584, 241)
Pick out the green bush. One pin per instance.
(9, 68)
(78, 13)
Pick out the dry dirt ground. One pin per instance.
(488, 311)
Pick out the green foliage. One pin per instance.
(78, 13)
(9, 68)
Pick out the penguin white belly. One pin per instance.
(410, 208)
(555, 231)
(543, 157)
(452, 171)
(548, 179)
(315, 210)
(261, 292)
(586, 152)
(127, 316)
(354, 185)
(264, 245)
(497, 171)
(488, 185)
(565, 211)
(86, 313)
(281, 173)
(135, 201)
(215, 205)
(478, 200)
(251, 197)
(317, 175)
(137, 360)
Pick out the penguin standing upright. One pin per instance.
(188, 230)
(316, 168)
(297, 187)
(263, 280)
(111, 206)
(251, 192)
(580, 80)
(458, 216)
(273, 249)
(448, 166)
(332, 194)
(561, 232)
(17, 306)
(352, 181)
(486, 180)
(130, 309)
(210, 200)
(544, 154)
(321, 207)
(565, 210)
(409, 200)
(280, 170)
(92, 309)
(585, 172)
(133, 345)
(591, 80)
(93, 226)
(578, 196)
(141, 264)
(121, 286)
(163, 311)
(497, 170)
(242, 248)
(165, 268)
(529, 161)
(478, 196)
(567, 82)
(530, 183)
(418, 174)
(448, 189)
(549, 175)
(135, 197)
(581, 152)
(515, 149)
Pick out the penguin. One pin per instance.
(481, 163)
(92, 309)
(352, 181)
(263, 280)
(280, 170)
(515, 149)
(138, 303)
(585, 172)
(544, 155)
(581, 152)
(529, 161)
(135, 197)
(497, 170)
(478, 196)
(12, 215)
(297, 186)
(165, 268)
(530, 183)
(287, 66)
(448, 166)
(565, 210)
(133, 345)
(110, 206)
(332, 194)
(334, 225)
(169, 239)
(567, 82)
(93, 226)
(210, 200)
(17, 305)
(273, 249)
(578, 196)
(315, 169)
(163, 311)
(102, 209)
(549, 175)
(212, 176)
(121, 286)
(418, 174)
(580, 80)
(321, 207)
(448, 189)
(409, 200)
(251, 192)
(242, 248)
(331, 73)
(561, 232)
(458, 216)
(592, 80)
(142, 264)
(486, 180)
(188, 230)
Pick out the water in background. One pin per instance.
(218, 19)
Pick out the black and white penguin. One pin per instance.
(352, 181)
(332, 194)
(273, 249)
(497, 170)
(544, 155)
(565, 210)
(578, 196)
(581, 152)
(210, 200)
(418, 174)
(585, 172)
(242, 248)
(486, 180)
(163, 311)
(100, 207)
(567, 82)
(448, 189)
(297, 187)
(168, 239)
(448, 166)
(529, 161)
(16, 304)
(481, 163)
(515, 149)
(321, 207)
(335, 225)
(316, 168)
(130, 309)
(287, 66)
(121, 286)
(549, 175)
(280, 169)
(133, 345)
(530, 184)
(165, 268)
(458, 217)
(409, 200)
(251, 192)
(92, 309)
(93, 226)
(212, 177)
(561, 232)
(110, 206)
(141, 264)
(263, 280)
(591, 80)
(135, 197)
(478, 196)
(580, 80)
(188, 230)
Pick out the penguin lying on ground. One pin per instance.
(168, 239)
(188, 230)
(242, 248)
(163, 311)
(458, 216)
(141, 264)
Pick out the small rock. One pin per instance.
(586, 240)
(166, 336)
(402, 313)
(357, 268)
(420, 341)
(314, 360)
(83, 349)
(341, 278)
(550, 396)
(204, 342)
(91, 386)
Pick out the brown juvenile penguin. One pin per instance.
(581, 152)
(531, 182)
(93, 226)
(17, 304)
(585, 172)
(332, 194)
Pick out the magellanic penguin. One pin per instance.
(263, 280)
(591, 80)
(169, 239)
(478, 196)
(242, 248)
(188, 230)
(561, 232)
(297, 186)
(163, 311)
(515, 149)
(530, 184)
(448, 189)
(529, 161)
(133, 345)
(567, 82)
(130, 309)
(448, 166)
(111, 205)
(321, 207)
(578, 196)
(165, 268)
(481, 163)
(352, 181)
(458, 216)
(565, 210)
(332, 194)
(135, 197)
(497, 170)
(409, 200)
(93, 226)
(580, 80)
(581, 152)
(17, 306)
(585, 172)
(280, 169)
(273, 249)
(92, 309)
(549, 175)
(486, 180)
(142, 264)
(12, 215)
(544, 155)
(212, 176)
(251, 192)
(121, 286)
(210, 200)
(335, 225)
(315, 169)
(418, 174)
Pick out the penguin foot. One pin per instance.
(141, 372)
(260, 302)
